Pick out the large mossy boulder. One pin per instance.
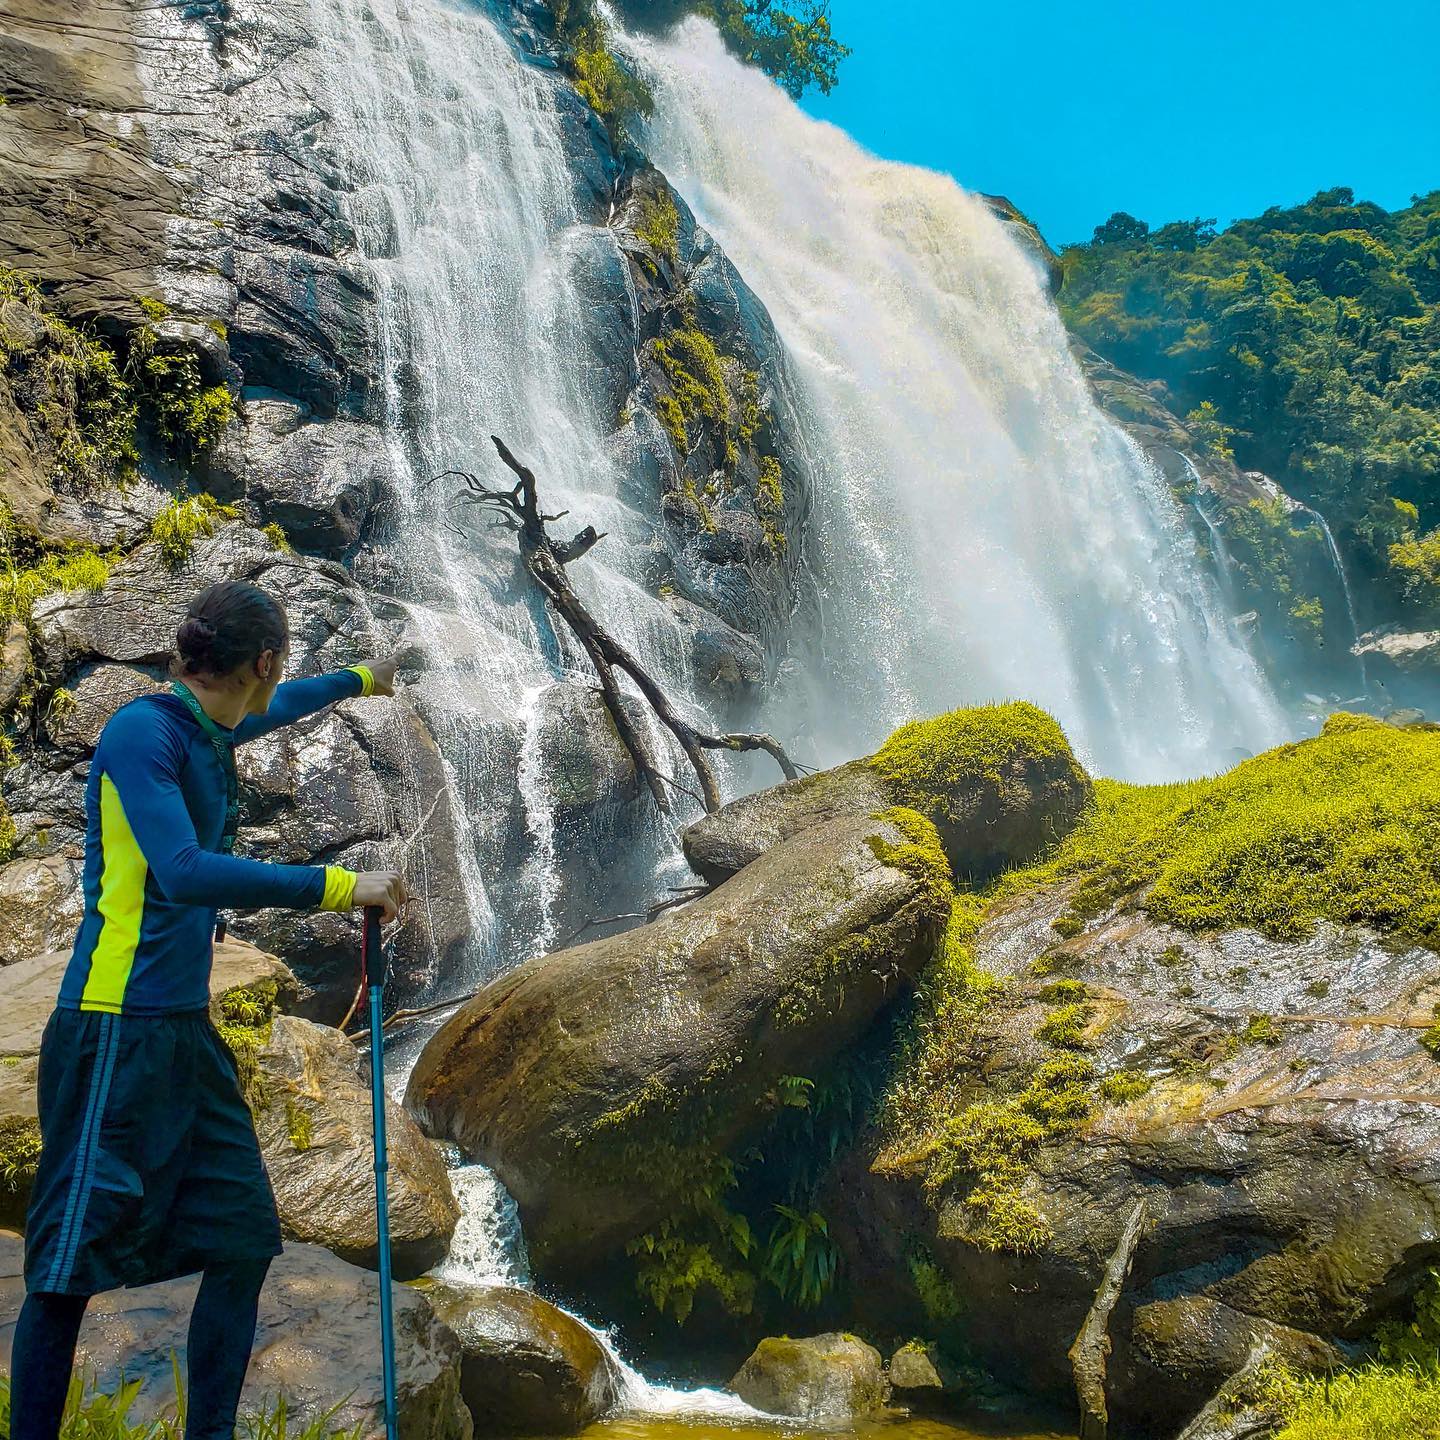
(824, 1380)
(999, 782)
(528, 1368)
(599, 1082)
(315, 1346)
(1218, 997)
(312, 1114)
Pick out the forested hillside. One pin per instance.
(1307, 343)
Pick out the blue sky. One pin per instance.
(1167, 110)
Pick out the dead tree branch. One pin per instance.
(544, 559)
(1090, 1354)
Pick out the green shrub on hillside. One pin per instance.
(1307, 340)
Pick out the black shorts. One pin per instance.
(149, 1166)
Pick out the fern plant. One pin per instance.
(800, 1257)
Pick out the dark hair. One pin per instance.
(227, 626)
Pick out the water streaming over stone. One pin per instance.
(471, 221)
(981, 529)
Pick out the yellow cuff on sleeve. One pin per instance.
(367, 680)
(339, 888)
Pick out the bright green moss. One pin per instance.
(1373, 1402)
(615, 94)
(1124, 1086)
(243, 1017)
(182, 522)
(659, 225)
(696, 375)
(920, 855)
(1065, 1026)
(1345, 827)
(81, 407)
(930, 765)
(1260, 1030)
(1064, 992)
(936, 1291)
(189, 416)
(275, 534)
(299, 1125)
(771, 485)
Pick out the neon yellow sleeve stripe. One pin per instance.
(367, 680)
(121, 906)
(339, 888)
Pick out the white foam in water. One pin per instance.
(489, 1249)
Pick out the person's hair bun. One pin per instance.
(196, 638)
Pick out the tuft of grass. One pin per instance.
(1260, 1030)
(1373, 1402)
(182, 522)
(659, 225)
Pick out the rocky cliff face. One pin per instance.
(188, 157)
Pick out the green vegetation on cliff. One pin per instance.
(1306, 342)
(1343, 828)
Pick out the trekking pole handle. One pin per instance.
(376, 965)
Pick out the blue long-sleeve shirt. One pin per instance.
(154, 873)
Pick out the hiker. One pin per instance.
(149, 1166)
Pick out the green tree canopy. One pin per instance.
(1309, 340)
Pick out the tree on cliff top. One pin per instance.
(792, 43)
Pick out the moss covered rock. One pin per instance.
(999, 782)
(312, 1114)
(1215, 996)
(825, 1380)
(608, 1084)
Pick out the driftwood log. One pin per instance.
(545, 559)
(1090, 1354)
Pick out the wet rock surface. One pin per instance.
(315, 1345)
(559, 1071)
(527, 1368)
(312, 1114)
(823, 1380)
(1275, 1108)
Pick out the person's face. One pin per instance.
(269, 671)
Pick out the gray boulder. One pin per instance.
(999, 782)
(312, 1114)
(316, 480)
(1272, 1101)
(40, 904)
(315, 1345)
(671, 1039)
(527, 1368)
(830, 1380)
(911, 1371)
(93, 695)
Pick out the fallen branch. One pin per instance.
(1224, 1416)
(544, 559)
(1090, 1354)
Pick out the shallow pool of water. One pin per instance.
(641, 1427)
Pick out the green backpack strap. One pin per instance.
(223, 744)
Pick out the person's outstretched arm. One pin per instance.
(140, 758)
(296, 699)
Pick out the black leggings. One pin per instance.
(222, 1334)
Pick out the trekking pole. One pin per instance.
(373, 966)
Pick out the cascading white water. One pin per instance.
(470, 220)
(982, 530)
(488, 1249)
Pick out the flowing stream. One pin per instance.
(981, 529)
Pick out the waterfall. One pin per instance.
(488, 1249)
(1336, 560)
(473, 226)
(981, 529)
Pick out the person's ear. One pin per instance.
(265, 664)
